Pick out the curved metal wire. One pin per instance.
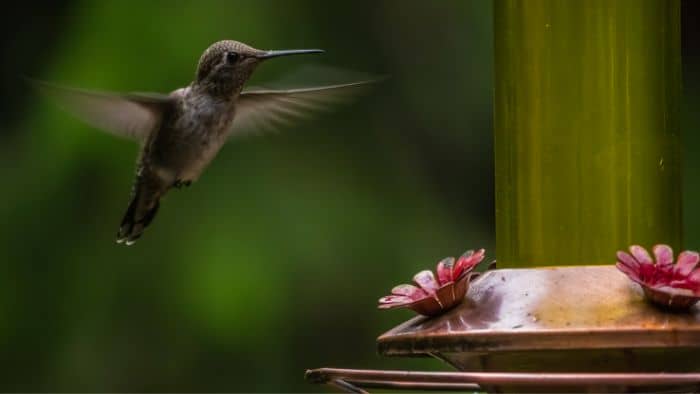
(352, 380)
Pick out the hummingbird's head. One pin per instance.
(226, 65)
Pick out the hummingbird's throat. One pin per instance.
(224, 88)
(226, 83)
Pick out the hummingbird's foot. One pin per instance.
(180, 183)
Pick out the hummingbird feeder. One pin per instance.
(587, 149)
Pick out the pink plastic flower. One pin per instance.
(675, 286)
(435, 295)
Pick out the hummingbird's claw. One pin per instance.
(180, 183)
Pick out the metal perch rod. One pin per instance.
(346, 379)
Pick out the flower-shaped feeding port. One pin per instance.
(434, 295)
(665, 283)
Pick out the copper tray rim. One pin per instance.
(483, 340)
(393, 342)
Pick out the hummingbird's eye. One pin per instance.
(232, 57)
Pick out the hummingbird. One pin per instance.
(180, 133)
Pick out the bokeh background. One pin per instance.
(272, 263)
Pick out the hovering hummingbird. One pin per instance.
(180, 133)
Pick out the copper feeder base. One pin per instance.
(555, 329)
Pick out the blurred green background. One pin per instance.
(273, 262)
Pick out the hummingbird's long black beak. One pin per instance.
(288, 52)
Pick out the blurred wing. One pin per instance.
(131, 115)
(267, 110)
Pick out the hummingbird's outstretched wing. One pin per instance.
(131, 115)
(265, 110)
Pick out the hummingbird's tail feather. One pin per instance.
(131, 228)
(142, 209)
